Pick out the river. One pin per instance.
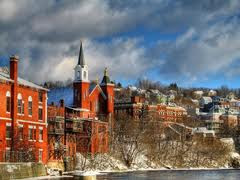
(172, 175)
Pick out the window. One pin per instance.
(8, 101)
(91, 106)
(40, 134)
(40, 113)
(40, 155)
(32, 133)
(40, 97)
(75, 92)
(85, 74)
(96, 106)
(20, 104)
(30, 106)
(22, 107)
(20, 132)
(8, 154)
(8, 131)
(110, 98)
(78, 74)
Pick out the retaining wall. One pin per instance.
(21, 170)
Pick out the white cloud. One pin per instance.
(212, 51)
(46, 35)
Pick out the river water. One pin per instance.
(172, 175)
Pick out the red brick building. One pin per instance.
(87, 117)
(137, 108)
(56, 128)
(23, 117)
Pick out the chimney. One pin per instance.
(14, 90)
(14, 68)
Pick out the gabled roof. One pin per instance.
(6, 77)
(81, 60)
(94, 86)
(206, 98)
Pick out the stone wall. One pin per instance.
(21, 170)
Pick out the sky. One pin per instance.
(190, 42)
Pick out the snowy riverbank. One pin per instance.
(99, 173)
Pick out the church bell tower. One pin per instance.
(81, 83)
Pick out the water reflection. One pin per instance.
(172, 175)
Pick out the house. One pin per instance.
(203, 133)
(198, 94)
(23, 117)
(205, 100)
(212, 93)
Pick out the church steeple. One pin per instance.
(81, 69)
(106, 79)
(81, 60)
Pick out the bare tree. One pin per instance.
(129, 138)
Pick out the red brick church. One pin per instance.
(92, 99)
(88, 114)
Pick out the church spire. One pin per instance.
(81, 69)
(106, 79)
(81, 60)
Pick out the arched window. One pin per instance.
(85, 75)
(20, 103)
(78, 74)
(8, 102)
(30, 106)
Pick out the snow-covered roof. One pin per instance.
(203, 130)
(154, 91)
(6, 77)
(212, 91)
(198, 92)
(132, 88)
(206, 98)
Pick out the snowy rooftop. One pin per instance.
(203, 130)
(6, 77)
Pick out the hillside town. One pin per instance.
(56, 126)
